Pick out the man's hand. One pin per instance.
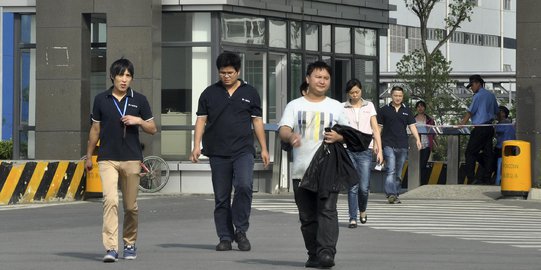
(88, 164)
(295, 140)
(419, 145)
(332, 137)
(265, 158)
(131, 120)
(196, 152)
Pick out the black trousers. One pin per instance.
(319, 220)
(424, 155)
(480, 150)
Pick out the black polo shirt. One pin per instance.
(228, 131)
(394, 125)
(113, 145)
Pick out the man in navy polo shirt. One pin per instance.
(482, 111)
(226, 112)
(395, 117)
(117, 115)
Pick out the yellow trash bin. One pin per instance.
(516, 168)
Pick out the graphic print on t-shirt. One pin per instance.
(313, 123)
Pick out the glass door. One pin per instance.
(342, 74)
(277, 86)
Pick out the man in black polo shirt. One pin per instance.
(394, 118)
(117, 115)
(225, 115)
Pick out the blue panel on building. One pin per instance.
(7, 77)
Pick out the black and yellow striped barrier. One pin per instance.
(41, 181)
(437, 171)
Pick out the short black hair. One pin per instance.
(505, 110)
(318, 65)
(227, 59)
(419, 103)
(303, 87)
(119, 66)
(397, 88)
(352, 83)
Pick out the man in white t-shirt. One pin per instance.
(303, 126)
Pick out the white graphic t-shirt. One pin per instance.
(309, 119)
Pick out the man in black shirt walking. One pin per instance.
(226, 112)
(117, 115)
(395, 118)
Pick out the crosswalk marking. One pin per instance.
(488, 222)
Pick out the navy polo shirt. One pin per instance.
(394, 125)
(228, 130)
(113, 144)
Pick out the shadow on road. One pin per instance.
(80, 255)
(273, 262)
(195, 246)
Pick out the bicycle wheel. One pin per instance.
(154, 174)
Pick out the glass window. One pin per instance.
(414, 39)
(457, 37)
(398, 38)
(253, 70)
(98, 28)
(296, 35)
(311, 59)
(27, 99)
(434, 34)
(297, 76)
(277, 82)
(24, 120)
(185, 26)
(181, 87)
(507, 4)
(277, 34)
(342, 40)
(312, 37)
(365, 71)
(28, 28)
(365, 41)
(326, 38)
(243, 29)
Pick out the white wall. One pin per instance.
(487, 18)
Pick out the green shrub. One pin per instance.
(6, 149)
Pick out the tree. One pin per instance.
(425, 72)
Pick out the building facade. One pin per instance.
(486, 45)
(56, 54)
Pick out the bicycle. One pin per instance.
(154, 174)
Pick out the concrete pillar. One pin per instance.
(528, 95)
(63, 67)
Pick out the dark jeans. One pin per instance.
(480, 150)
(319, 221)
(228, 173)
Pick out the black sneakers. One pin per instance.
(312, 262)
(224, 245)
(242, 241)
(326, 259)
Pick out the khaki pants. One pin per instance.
(125, 173)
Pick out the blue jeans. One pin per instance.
(358, 194)
(394, 162)
(228, 173)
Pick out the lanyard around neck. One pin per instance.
(122, 113)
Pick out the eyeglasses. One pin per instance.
(227, 74)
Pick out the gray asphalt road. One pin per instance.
(177, 232)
